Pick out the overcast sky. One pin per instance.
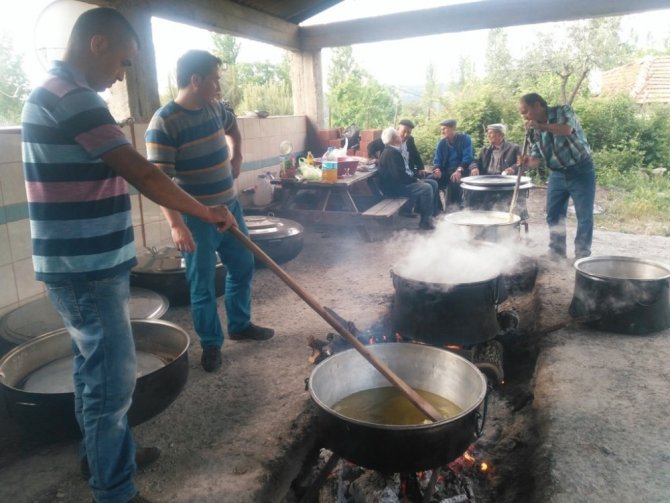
(411, 57)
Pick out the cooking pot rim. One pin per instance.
(443, 286)
(59, 332)
(620, 258)
(453, 218)
(391, 427)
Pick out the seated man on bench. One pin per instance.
(394, 180)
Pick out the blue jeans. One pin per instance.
(579, 183)
(96, 316)
(200, 272)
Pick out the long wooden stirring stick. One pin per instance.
(515, 194)
(419, 402)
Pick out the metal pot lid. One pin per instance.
(40, 317)
(482, 218)
(269, 227)
(494, 180)
(166, 260)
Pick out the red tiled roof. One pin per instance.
(646, 81)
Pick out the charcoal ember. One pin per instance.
(374, 487)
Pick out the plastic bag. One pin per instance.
(308, 171)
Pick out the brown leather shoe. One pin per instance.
(144, 456)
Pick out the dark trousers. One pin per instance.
(579, 183)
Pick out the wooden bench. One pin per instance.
(386, 208)
(383, 211)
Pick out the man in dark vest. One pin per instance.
(499, 157)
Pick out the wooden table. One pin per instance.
(345, 202)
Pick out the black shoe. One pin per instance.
(253, 333)
(211, 358)
(428, 225)
(144, 456)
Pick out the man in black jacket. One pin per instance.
(412, 158)
(395, 180)
(499, 157)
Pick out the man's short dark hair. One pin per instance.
(102, 21)
(531, 98)
(195, 62)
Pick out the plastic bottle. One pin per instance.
(310, 158)
(263, 192)
(329, 167)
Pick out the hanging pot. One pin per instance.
(36, 378)
(280, 238)
(399, 448)
(622, 294)
(164, 271)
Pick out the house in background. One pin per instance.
(646, 81)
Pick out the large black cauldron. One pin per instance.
(622, 294)
(462, 314)
(393, 448)
(279, 238)
(36, 378)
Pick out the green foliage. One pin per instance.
(361, 100)
(273, 98)
(13, 85)
(253, 86)
(355, 97)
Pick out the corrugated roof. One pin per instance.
(646, 81)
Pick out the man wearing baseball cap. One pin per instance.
(500, 157)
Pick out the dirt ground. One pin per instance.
(243, 434)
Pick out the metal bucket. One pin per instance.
(389, 448)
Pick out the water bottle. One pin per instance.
(329, 167)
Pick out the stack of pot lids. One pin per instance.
(268, 227)
(39, 317)
(164, 261)
(493, 182)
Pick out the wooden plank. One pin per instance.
(386, 207)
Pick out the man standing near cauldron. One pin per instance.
(187, 138)
(76, 162)
(558, 138)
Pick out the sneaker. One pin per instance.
(211, 358)
(253, 333)
(144, 456)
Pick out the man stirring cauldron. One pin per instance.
(559, 140)
(76, 162)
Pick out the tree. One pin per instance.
(572, 50)
(14, 85)
(355, 97)
(227, 48)
(499, 64)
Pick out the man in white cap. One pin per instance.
(499, 157)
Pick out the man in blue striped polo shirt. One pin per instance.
(76, 163)
(187, 138)
(559, 139)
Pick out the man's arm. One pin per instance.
(236, 139)
(158, 187)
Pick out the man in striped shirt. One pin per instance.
(559, 139)
(76, 164)
(187, 138)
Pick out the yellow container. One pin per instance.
(329, 171)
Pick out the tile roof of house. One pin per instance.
(646, 81)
